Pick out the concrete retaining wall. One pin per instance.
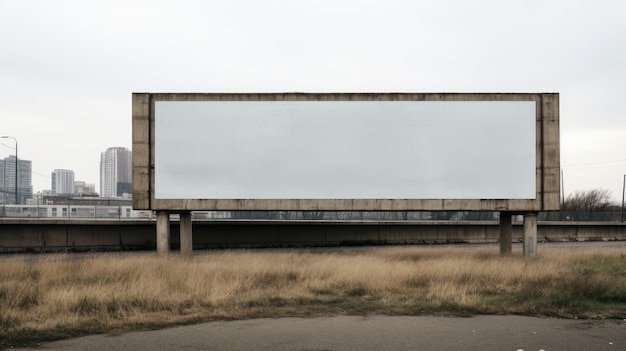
(76, 235)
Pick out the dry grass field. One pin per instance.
(59, 296)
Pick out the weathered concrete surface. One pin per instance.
(141, 150)
(370, 333)
(506, 233)
(547, 156)
(530, 235)
(79, 235)
(186, 235)
(163, 232)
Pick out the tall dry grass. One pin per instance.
(58, 296)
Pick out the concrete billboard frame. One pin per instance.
(547, 157)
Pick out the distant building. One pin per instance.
(82, 188)
(63, 182)
(7, 181)
(116, 172)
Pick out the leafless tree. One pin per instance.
(596, 200)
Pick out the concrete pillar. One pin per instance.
(506, 233)
(163, 232)
(186, 238)
(530, 235)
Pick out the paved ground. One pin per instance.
(370, 333)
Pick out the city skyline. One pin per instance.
(68, 79)
(9, 177)
(62, 182)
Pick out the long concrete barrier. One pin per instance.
(20, 235)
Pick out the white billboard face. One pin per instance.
(345, 149)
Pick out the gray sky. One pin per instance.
(68, 68)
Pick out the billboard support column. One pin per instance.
(163, 233)
(506, 233)
(530, 235)
(186, 238)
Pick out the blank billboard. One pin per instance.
(345, 149)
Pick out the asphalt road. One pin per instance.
(369, 333)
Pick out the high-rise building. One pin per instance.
(63, 182)
(116, 172)
(7, 180)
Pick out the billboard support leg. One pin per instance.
(186, 238)
(506, 233)
(530, 235)
(163, 232)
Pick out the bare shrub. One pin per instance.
(596, 200)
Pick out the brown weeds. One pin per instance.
(61, 296)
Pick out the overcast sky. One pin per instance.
(68, 68)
